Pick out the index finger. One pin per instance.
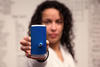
(27, 38)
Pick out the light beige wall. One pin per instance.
(15, 17)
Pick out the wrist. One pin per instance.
(46, 57)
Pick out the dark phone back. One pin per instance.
(38, 39)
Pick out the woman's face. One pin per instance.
(54, 24)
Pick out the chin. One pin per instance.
(53, 41)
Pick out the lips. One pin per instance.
(53, 35)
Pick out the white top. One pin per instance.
(52, 61)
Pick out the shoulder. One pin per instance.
(67, 57)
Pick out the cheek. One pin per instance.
(47, 29)
(61, 28)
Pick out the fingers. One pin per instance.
(25, 43)
(47, 42)
(28, 53)
(27, 38)
(25, 48)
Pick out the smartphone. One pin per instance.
(38, 40)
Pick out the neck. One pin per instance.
(55, 46)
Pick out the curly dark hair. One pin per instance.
(67, 35)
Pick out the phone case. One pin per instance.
(38, 40)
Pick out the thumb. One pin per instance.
(47, 43)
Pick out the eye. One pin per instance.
(46, 21)
(59, 21)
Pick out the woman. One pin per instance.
(58, 21)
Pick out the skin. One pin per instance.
(54, 27)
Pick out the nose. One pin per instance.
(53, 27)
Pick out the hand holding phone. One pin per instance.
(26, 46)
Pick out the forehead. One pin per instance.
(51, 12)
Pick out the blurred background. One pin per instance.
(15, 16)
